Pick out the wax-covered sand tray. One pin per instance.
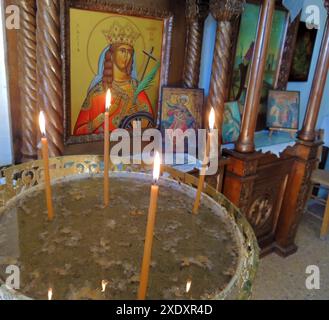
(212, 255)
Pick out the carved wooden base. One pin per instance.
(256, 183)
(272, 192)
(295, 197)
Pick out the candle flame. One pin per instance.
(42, 123)
(50, 294)
(157, 165)
(188, 286)
(108, 100)
(212, 119)
(104, 285)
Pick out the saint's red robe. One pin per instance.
(90, 120)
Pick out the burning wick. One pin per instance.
(188, 286)
(104, 285)
(42, 123)
(203, 171)
(212, 119)
(50, 294)
(108, 100)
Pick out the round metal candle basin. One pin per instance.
(90, 251)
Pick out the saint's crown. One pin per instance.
(118, 34)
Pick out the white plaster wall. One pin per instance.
(6, 154)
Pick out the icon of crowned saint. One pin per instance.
(117, 72)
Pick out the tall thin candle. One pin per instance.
(150, 230)
(45, 156)
(205, 162)
(107, 148)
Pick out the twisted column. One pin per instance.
(50, 73)
(196, 12)
(223, 11)
(28, 79)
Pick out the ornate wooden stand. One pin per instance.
(305, 152)
(247, 182)
(272, 191)
(256, 183)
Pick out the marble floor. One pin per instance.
(283, 279)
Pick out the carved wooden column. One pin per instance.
(245, 143)
(223, 11)
(249, 181)
(50, 72)
(28, 79)
(196, 12)
(305, 151)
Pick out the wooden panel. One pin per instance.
(256, 183)
(267, 196)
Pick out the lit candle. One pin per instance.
(104, 285)
(45, 156)
(150, 230)
(107, 148)
(188, 286)
(50, 294)
(204, 163)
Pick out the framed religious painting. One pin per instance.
(231, 122)
(124, 49)
(244, 49)
(283, 110)
(303, 52)
(182, 108)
